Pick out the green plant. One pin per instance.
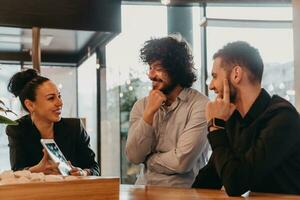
(3, 119)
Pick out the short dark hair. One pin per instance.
(175, 57)
(24, 85)
(242, 54)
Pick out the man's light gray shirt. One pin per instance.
(175, 147)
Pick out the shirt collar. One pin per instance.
(183, 95)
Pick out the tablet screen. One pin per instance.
(57, 155)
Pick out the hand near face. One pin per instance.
(221, 107)
(155, 99)
(46, 165)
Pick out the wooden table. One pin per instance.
(109, 188)
(87, 188)
(130, 192)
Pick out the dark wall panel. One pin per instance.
(95, 15)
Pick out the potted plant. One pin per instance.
(3, 119)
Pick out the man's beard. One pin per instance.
(167, 89)
(233, 92)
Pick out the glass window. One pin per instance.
(87, 97)
(127, 82)
(197, 47)
(275, 45)
(249, 13)
(65, 79)
(6, 72)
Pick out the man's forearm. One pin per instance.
(191, 143)
(139, 142)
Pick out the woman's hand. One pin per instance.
(45, 165)
(77, 171)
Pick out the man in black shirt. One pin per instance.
(255, 138)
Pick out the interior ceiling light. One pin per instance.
(165, 2)
(45, 40)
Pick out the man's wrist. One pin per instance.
(215, 124)
(211, 129)
(148, 117)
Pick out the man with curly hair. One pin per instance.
(167, 132)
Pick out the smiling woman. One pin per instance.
(41, 98)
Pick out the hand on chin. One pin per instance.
(157, 87)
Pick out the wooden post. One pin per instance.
(36, 49)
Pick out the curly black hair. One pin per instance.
(243, 54)
(175, 57)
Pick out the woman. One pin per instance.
(41, 98)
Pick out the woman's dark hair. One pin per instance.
(175, 57)
(242, 54)
(24, 85)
